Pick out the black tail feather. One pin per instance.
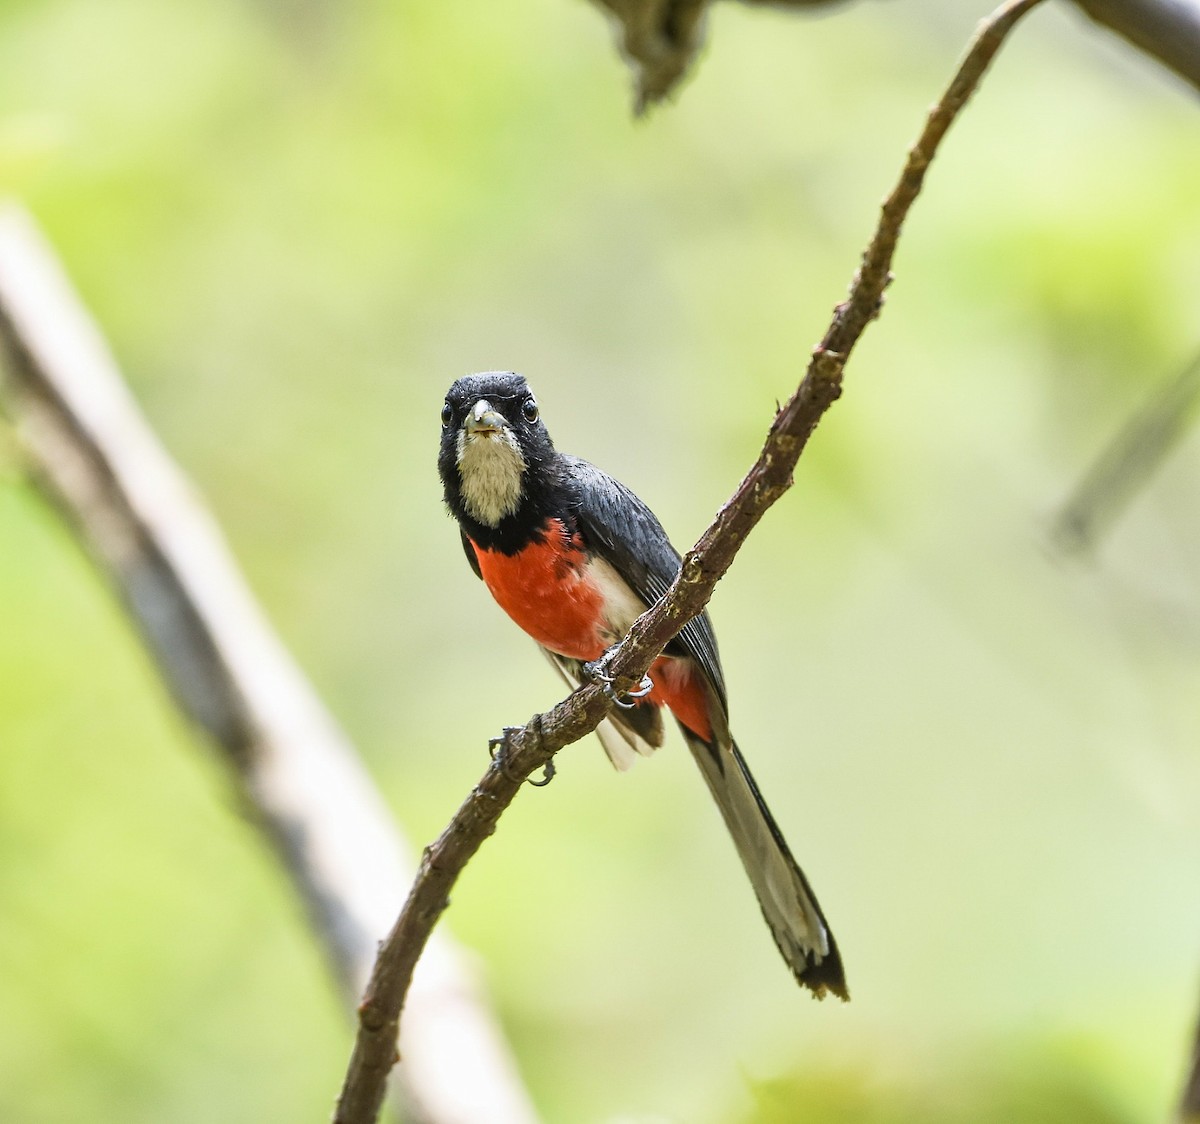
(787, 900)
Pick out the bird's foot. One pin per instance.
(614, 686)
(498, 750)
(498, 747)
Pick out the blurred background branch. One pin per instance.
(1127, 462)
(294, 771)
(661, 38)
(1188, 1111)
(1167, 30)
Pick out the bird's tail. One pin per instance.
(788, 903)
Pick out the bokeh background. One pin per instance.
(298, 221)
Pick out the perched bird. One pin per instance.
(574, 557)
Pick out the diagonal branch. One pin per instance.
(294, 771)
(530, 747)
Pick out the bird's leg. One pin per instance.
(597, 672)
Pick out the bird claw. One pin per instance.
(548, 774)
(642, 689)
(626, 700)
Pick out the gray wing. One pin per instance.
(618, 525)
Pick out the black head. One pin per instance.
(495, 452)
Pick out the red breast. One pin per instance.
(545, 588)
(548, 588)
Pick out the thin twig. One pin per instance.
(532, 746)
(296, 774)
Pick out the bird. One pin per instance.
(574, 557)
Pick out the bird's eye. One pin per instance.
(447, 415)
(529, 411)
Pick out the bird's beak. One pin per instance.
(482, 420)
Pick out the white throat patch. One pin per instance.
(490, 467)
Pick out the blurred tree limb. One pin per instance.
(1168, 30)
(1188, 1110)
(1128, 461)
(296, 774)
(526, 749)
(661, 38)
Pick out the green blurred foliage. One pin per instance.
(297, 222)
